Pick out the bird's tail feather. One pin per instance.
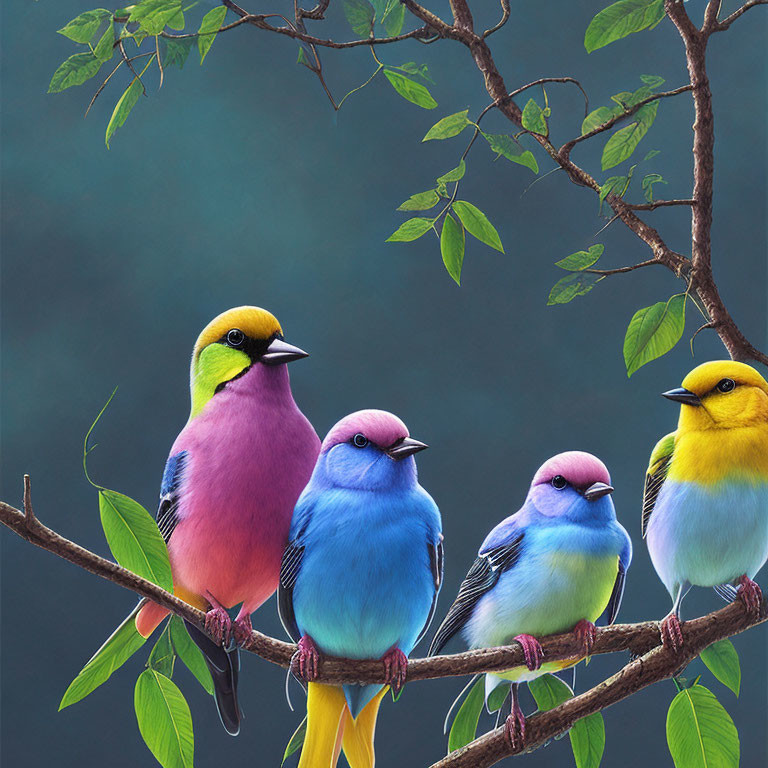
(326, 707)
(358, 734)
(224, 665)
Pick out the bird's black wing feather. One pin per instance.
(614, 603)
(657, 473)
(167, 513)
(289, 571)
(482, 576)
(436, 559)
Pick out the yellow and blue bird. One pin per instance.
(556, 565)
(705, 505)
(359, 577)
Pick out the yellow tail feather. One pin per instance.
(325, 706)
(358, 734)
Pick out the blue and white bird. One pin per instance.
(359, 577)
(556, 565)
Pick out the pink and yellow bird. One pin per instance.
(230, 485)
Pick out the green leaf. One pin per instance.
(533, 118)
(410, 90)
(134, 538)
(452, 247)
(723, 662)
(700, 733)
(83, 27)
(624, 142)
(464, 724)
(455, 175)
(497, 697)
(360, 16)
(588, 741)
(123, 107)
(162, 655)
(448, 127)
(597, 117)
(74, 71)
(420, 70)
(210, 25)
(616, 185)
(190, 654)
(477, 224)
(394, 18)
(581, 259)
(505, 146)
(176, 52)
(153, 15)
(572, 285)
(296, 740)
(648, 182)
(106, 45)
(422, 201)
(622, 19)
(410, 230)
(651, 154)
(652, 81)
(164, 720)
(117, 649)
(177, 22)
(549, 691)
(653, 331)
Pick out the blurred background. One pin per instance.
(236, 184)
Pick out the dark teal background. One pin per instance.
(236, 184)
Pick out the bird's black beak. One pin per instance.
(597, 491)
(405, 447)
(682, 395)
(280, 351)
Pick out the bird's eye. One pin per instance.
(726, 385)
(235, 338)
(359, 440)
(559, 482)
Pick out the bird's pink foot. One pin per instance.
(218, 625)
(750, 594)
(242, 629)
(306, 659)
(671, 633)
(586, 633)
(395, 668)
(514, 728)
(532, 651)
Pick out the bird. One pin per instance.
(705, 500)
(558, 564)
(229, 486)
(360, 577)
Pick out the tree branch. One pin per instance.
(728, 20)
(659, 204)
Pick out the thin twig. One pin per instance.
(128, 63)
(728, 20)
(505, 13)
(659, 204)
(622, 270)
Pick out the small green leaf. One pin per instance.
(162, 655)
(422, 201)
(497, 697)
(700, 733)
(624, 142)
(652, 81)
(117, 649)
(448, 127)
(74, 71)
(190, 654)
(723, 662)
(616, 185)
(153, 15)
(410, 230)
(653, 331)
(134, 538)
(410, 90)
(209, 27)
(177, 22)
(549, 691)
(588, 741)
(505, 146)
(598, 117)
(296, 740)
(622, 19)
(360, 16)
(106, 45)
(176, 52)
(571, 286)
(455, 175)
(123, 108)
(533, 118)
(394, 18)
(83, 27)
(477, 224)
(651, 154)
(464, 724)
(420, 70)
(452, 247)
(303, 58)
(648, 182)
(581, 259)
(164, 720)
